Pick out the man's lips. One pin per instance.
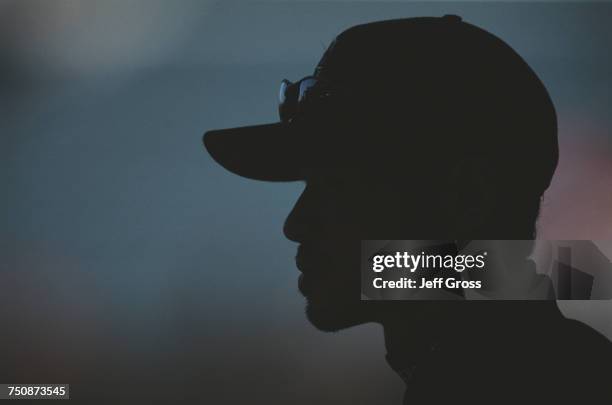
(308, 265)
(302, 285)
(309, 285)
(301, 259)
(319, 273)
(300, 263)
(309, 260)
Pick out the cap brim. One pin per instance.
(261, 152)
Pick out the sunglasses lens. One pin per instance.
(305, 85)
(282, 94)
(287, 100)
(290, 95)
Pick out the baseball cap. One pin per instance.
(428, 84)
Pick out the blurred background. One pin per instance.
(132, 266)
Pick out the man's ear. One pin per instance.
(471, 199)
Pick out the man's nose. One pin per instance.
(296, 224)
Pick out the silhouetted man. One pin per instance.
(424, 129)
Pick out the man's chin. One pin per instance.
(332, 317)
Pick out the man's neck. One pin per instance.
(411, 340)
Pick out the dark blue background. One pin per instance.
(129, 257)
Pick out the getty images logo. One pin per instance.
(412, 262)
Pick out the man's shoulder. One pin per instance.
(559, 358)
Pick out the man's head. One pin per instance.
(422, 128)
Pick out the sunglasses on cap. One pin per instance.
(294, 97)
